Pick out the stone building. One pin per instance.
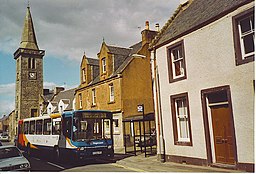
(118, 81)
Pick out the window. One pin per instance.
(176, 62)
(34, 113)
(56, 127)
(103, 61)
(181, 120)
(39, 127)
(47, 126)
(111, 93)
(83, 75)
(116, 125)
(26, 127)
(113, 61)
(243, 27)
(32, 127)
(80, 101)
(91, 72)
(31, 63)
(107, 127)
(93, 97)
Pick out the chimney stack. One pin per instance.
(147, 25)
(157, 27)
(147, 35)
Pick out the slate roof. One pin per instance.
(122, 57)
(197, 14)
(92, 61)
(67, 94)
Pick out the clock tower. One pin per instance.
(29, 72)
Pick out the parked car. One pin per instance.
(4, 137)
(11, 159)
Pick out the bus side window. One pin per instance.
(47, 126)
(32, 127)
(39, 127)
(56, 127)
(26, 126)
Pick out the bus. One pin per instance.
(77, 134)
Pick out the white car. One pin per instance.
(11, 159)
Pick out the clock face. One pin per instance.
(32, 75)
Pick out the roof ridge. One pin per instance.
(168, 23)
(119, 47)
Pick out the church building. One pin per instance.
(29, 73)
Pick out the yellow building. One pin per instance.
(118, 81)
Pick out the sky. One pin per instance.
(67, 30)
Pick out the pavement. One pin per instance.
(140, 163)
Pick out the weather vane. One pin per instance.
(28, 3)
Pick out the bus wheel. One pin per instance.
(57, 153)
(28, 149)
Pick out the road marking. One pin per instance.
(129, 168)
(56, 165)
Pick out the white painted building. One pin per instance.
(203, 73)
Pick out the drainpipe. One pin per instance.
(158, 108)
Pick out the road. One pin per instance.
(42, 163)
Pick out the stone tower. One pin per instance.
(29, 72)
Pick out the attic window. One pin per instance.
(243, 25)
(91, 72)
(103, 61)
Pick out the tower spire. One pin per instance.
(28, 39)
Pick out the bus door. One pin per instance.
(66, 131)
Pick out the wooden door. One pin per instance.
(223, 139)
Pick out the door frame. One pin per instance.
(208, 139)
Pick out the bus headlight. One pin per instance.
(109, 147)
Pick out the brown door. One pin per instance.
(223, 139)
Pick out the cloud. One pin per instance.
(7, 98)
(67, 28)
(7, 89)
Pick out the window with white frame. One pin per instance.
(111, 93)
(176, 62)
(181, 120)
(243, 25)
(83, 75)
(80, 100)
(103, 61)
(93, 97)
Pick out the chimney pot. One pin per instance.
(147, 25)
(157, 26)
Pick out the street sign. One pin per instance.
(140, 108)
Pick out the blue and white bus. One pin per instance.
(80, 134)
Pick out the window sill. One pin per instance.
(93, 105)
(177, 79)
(244, 61)
(112, 102)
(183, 143)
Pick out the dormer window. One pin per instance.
(83, 75)
(91, 73)
(103, 61)
(113, 61)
